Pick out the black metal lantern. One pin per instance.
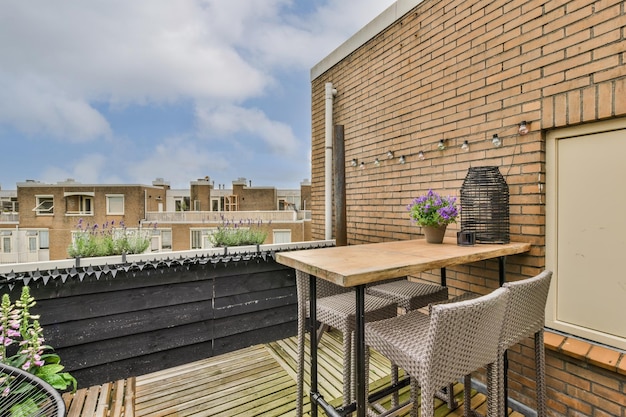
(485, 205)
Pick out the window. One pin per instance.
(196, 239)
(45, 205)
(6, 244)
(166, 239)
(201, 238)
(181, 203)
(217, 204)
(79, 204)
(32, 243)
(44, 239)
(282, 236)
(85, 204)
(9, 204)
(115, 204)
(161, 240)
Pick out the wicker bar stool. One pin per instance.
(412, 295)
(525, 317)
(336, 307)
(437, 349)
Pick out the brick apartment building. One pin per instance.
(37, 220)
(426, 78)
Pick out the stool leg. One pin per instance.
(395, 399)
(467, 395)
(540, 369)
(300, 370)
(347, 367)
(302, 280)
(415, 389)
(495, 386)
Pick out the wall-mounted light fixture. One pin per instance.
(465, 146)
(376, 162)
(389, 155)
(420, 155)
(441, 145)
(401, 160)
(497, 142)
(362, 165)
(523, 128)
(354, 162)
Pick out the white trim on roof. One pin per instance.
(373, 28)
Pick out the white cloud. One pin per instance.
(64, 61)
(32, 108)
(229, 120)
(113, 51)
(84, 171)
(179, 161)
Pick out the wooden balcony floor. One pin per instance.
(257, 381)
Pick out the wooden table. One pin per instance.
(358, 265)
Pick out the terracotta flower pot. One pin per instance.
(434, 234)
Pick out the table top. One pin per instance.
(349, 266)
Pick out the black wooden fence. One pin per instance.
(112, 322)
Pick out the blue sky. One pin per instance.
(118, 91)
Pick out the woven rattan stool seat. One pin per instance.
(410, 295)
(437, 349)
(339, 310)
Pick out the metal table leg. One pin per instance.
(502, 280)
(313, 339)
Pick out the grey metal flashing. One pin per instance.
(373, 28)
(72, 268)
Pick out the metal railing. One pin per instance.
(214, 217)
(9, 217)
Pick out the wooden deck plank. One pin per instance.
(74, 403)
(204, 393)
(192, 370)
(104, 400)
(189, 388)
(256, 381)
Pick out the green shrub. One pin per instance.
(238, 234)
(106, 241)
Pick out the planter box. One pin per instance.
(111, 322)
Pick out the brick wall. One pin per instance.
(61, 224)
(466, 70)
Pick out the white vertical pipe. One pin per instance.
(328, 212)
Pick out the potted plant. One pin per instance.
(433, 213)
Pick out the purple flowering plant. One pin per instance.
(108, 239)
(243, 232)
(433, 210)
(22, 345)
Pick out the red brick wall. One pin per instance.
(465, 70)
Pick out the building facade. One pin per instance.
(38, 220)
(431, 88)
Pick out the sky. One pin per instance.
(125, 92)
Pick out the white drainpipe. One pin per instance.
(328, 215)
